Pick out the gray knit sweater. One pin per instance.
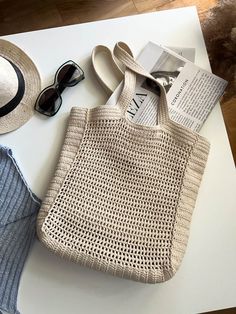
(18, 211)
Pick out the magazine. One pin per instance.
(192, 92)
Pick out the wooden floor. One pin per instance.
(27, 15)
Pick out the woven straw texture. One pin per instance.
(25, 110)
(122, 196)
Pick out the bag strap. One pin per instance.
(123, 53)
(102, 60)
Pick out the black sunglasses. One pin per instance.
(49, 100)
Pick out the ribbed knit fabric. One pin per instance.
(18, 211)
(123, 194)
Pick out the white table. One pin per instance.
(207, 277)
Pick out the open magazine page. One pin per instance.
(143, 108)
(191, 91)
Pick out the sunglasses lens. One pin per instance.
(49, 102)
(69, 75)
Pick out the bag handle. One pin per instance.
(108, 82)
(123, 53)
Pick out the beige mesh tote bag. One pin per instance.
(123, 194)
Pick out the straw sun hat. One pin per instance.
(19, 87)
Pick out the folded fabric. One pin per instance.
(18, 212)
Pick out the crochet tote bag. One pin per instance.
(123, 194)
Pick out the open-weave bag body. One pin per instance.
(123, 194)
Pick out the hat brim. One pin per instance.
(25, 109)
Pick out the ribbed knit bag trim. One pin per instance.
(73, 138)
(82, 119)
(188, 195)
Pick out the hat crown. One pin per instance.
(8, 82)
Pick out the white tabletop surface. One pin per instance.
(206, 279)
